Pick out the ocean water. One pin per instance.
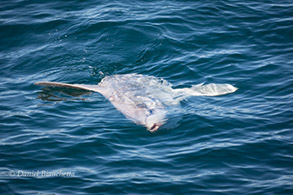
(55, 141)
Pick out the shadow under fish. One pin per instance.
(61, 94)
(146, 100)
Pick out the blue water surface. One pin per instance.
(55, 141)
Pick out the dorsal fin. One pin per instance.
(95, 88)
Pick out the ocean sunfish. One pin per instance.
(145, 99)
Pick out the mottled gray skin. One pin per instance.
(144, 99)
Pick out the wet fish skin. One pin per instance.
(145, 99)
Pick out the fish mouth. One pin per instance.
(155, 127)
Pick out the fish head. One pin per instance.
(155, 121)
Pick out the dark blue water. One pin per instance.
(236, 143)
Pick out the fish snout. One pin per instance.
(155, 120)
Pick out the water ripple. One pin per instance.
(237, 143)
